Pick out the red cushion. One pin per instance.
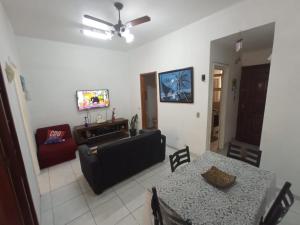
(42, 133)
(56, 133)
(55, 136)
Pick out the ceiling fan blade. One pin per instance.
(98, 20)
(138, 21)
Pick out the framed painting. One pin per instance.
(176, 86)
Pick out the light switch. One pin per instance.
(198, 114)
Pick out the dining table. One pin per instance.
(193, 199)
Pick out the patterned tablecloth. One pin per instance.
(193, 198)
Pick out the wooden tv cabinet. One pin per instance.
(99, 133)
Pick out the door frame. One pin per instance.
(11, 159)
(143, 97)
(223, 102)
(25, 119)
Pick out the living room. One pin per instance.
(55, 61)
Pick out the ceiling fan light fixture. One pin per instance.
(97, 34)
(129, 37)
(95, 24)
(103, 29)
(128, 25)
(109, 35)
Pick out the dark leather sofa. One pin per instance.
(118, 160)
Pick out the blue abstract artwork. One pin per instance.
(176, 86)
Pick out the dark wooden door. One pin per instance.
(252, 99)
(16, 205)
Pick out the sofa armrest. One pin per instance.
(163, 146)
(163, 140)
(90, 168)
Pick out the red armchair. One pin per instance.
(52, 154)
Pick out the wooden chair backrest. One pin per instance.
(180, 157)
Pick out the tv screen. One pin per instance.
(90, 99)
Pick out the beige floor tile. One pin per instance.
(70, 210)
(60, 175)
(110, 212)
(86, 219)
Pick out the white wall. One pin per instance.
(8, 51)
(55, 70)
(190, 46)
(256, 57)
(177, 121)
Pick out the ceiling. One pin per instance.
(60, 20)
(261, 37)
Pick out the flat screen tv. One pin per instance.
(90, 99)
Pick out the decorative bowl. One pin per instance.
(218, 178)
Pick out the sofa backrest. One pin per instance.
(127, 156)
(42, 133)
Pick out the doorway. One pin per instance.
(218, 74)
(237, 99)
(148, 84)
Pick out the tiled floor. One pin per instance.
(67, 198)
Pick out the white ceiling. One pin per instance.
(261, 37)
(60, 20)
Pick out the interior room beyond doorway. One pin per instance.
(149, 100)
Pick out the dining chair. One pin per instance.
(280, 207)
(180, 157)
(246, 154)
(163, 214)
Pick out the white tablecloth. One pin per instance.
(193, 198)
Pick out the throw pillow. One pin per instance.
(55, 136)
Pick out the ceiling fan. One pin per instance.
(102, 29)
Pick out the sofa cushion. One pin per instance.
(53, 154)
(122, 142)
(126, 157)
(52, 150)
